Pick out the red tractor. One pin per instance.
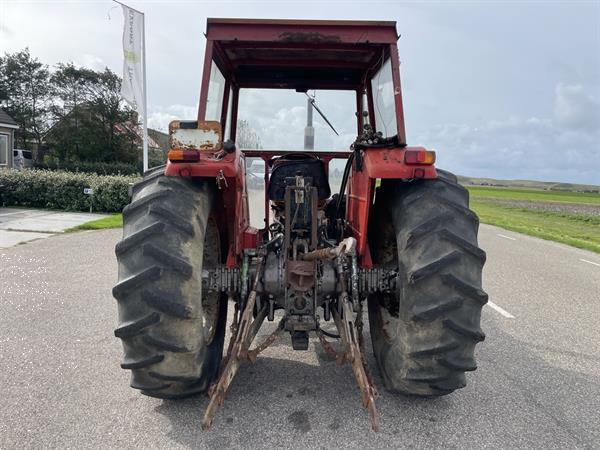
(398, 236)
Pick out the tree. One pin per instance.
(107, 107)
(246, 137)
(24, 84)
(91, 124)
(71, 90)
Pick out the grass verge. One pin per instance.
(114, 221)
(535, 195)
(575, 230)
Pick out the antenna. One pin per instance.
(311, 100)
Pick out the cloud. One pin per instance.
(91, 62)
(565, 147)
(160, 116)
(575, 108)
(279, 118)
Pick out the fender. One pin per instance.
(232, 214)
(377, 163)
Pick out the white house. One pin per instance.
(7, 139)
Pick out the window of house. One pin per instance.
(3, 149)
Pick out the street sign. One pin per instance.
(88, 191)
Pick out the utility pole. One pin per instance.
(309, 131)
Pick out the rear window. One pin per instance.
(277, 119)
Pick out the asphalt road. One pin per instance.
(537, 386)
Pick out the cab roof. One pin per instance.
(300, 54)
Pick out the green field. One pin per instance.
(534, 195)
(572, 218)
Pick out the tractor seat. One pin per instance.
(292, 164)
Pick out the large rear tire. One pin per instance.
(172, 332)
(424, 335)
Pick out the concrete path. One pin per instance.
(24, 225)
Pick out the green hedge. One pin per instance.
(64, 190)
(99, 168)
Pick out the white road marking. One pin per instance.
(502, 311)
(507, 237)
(589, 262)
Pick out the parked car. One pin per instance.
(255, 174)
(22, 159)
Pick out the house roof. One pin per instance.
(5, 119)
(137, 131)
(122, 128)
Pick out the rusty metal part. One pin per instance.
(353, 354)
(245, 333)
(345, 247)
(233, 329)
(350, 332)
(359, 328)
(328, 348)
(195, 135)
(300, 275)
(221, 180)
(252, 354)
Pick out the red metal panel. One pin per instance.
(299, 63)
(234, 112)
(372, 120)
(397, 93)
(334, 86)
(225, 104)
(250, 238)
(299, 22)
(208, 56)
(325, 32)
(377, 163)
(278, 45)
(359, 110)
(273, 153)
(232, 188)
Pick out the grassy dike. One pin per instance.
(578, 230)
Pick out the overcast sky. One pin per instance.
(498, 89)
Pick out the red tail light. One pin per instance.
(419, 157)
(184, 155)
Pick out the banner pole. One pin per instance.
(145, 144)
(131, 97)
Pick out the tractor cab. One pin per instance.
(355, 59)
(358, 57)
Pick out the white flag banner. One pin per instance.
(132, 88)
